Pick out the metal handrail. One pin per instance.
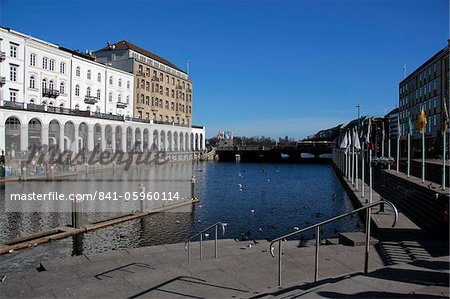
(187, 244)
(317, 227)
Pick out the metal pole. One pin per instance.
(423, 156)
(353, 165)
(398, 152)
(279, 263)
(193, 187)
(356, 170)
(443, 160)
(201, 246)
(389, 152)
(366, 258)
(316, 267)
(215, 242)
(409, 155)
(77, 214)
(189, 251)
(370, 176)
(363, 166)
(141, 200)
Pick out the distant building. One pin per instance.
(163, 92)
(391, 124)
(426, 87)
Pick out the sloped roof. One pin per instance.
(126, 45)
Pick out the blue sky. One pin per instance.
(271, 68)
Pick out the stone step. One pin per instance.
(420, 279)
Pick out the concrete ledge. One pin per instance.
(355, 239)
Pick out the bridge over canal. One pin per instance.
(304, 151)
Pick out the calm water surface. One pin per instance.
(258, 201)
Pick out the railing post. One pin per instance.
(279, 263)
(189, 251)
(316, 267)
(193, 187)
(215, 242)
(201, 243)
(366, 259)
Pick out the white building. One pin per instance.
(12, 56)
(99, 88)
(47, 74)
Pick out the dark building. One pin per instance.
(426, 87)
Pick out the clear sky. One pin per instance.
(271, 68)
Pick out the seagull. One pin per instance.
(206, 235)
(177, 221)
(296, 228)
(253, 211)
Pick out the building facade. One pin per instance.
(100, 88)
(12, 61)
(426, 87)
(162, 91)
(53, 96)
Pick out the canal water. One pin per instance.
(258, 201)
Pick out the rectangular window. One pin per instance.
(434, 84)
(13, 95)
(13, 73)
(13, 51)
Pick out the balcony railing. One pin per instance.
(155, 79)
(189, 90)
(108, 116)
(50, 93)
(13, 105)
(90, 100)
(121, 105)
(179, 87)
(2, 80)
(2, 56)
(141, 120)
(34, 107)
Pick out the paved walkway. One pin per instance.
(163, 272)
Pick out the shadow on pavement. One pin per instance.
(192, 280)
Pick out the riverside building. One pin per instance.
(163, 92)
(50, 95)
(426, 87)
